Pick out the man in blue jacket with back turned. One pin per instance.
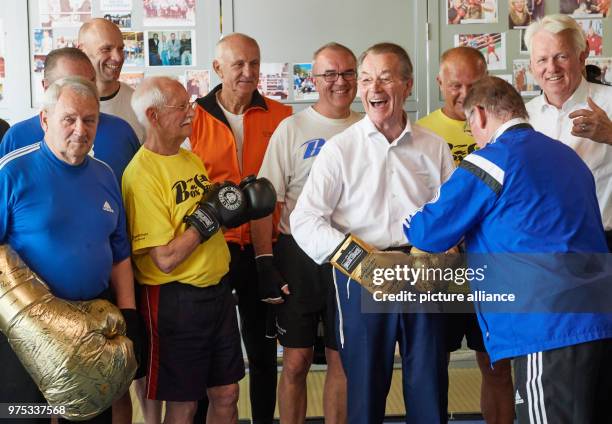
(527, 197)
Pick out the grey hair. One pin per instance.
(79, 85)
(555, 24)
(497, 97)
(333, 46)
(391, 48)
(147, 95)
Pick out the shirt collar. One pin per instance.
(371, 129)
(578, 97)
(502, 129)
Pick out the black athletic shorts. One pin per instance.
(194, 340)
(463, 325)
(312, 302)
(567, 385)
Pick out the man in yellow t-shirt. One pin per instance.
(460, 67)
(180, 258)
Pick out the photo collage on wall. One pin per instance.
(521, 13)
(164, 38)
(590, 15)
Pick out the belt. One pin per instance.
(403, 249)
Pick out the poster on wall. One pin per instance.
(168, 12)
(471, 11)
(274, 80)
(133, 49)
(43, 41)
(585, 8)
(116, 5)
(171, 48)
(133, 79)
(122, 20)
(197, 83)
(492, 46)
(523, 79)
(39, 62)
(593, 29)
(62, 13)
(523, 12)
(303, 82)
(605, 66)
(65, 37)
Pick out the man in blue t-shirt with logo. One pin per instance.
(64, 216)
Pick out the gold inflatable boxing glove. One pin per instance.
(389, 271)
(76, 352)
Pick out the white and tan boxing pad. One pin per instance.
(76, 352)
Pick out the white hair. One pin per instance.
(556, 24)
(148, 95)
(79, 85)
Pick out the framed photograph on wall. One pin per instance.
(171, 48)
(303, 82)
(471, 11)
(492, 46)
(168, 12)
(274, 80)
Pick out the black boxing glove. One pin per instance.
(260, 196)
(269, 280)
(223, 204)
(134, 330)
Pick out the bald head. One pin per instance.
(102, 42)
(237, 65)
(464, 56)
(234, 41)
(460, 67)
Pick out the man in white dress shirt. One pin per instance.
(361, 183)
(571, 109)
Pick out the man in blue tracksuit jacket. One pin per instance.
(525, 193)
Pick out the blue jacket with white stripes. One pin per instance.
(524, 193)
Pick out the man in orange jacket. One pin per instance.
(231, 130)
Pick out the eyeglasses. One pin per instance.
(332, 76)
(184, 107)
(466, 127)
(368, 81)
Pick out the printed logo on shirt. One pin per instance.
(460, 151)
(107, 207)
(313, 147)
(193, 187)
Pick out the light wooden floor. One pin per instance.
(464, 394)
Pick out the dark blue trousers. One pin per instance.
(366, 343)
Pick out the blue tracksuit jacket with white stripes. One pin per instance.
(523, 193)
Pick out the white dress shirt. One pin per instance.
(556, 124)
(364, 185)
